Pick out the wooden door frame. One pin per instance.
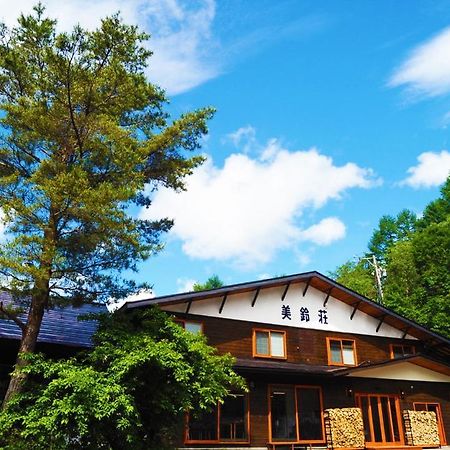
(396, 398)
(439, 419)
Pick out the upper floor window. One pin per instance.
(400, 350)
(190, 325)
(269, 343)
(341, 352)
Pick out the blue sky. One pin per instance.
(329, 115)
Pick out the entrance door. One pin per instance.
(436, 408)
(381, 416)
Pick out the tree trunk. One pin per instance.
(39, 301)
(27, 345)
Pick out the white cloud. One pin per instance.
(325, 232)
(249, 209)
(426, 71)
(185, 285)
(182, 40)
(432, 170)
(244, 137)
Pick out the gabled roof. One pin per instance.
(60, 325)
(424, 361)
(322, 283)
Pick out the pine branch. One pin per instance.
(11, 316)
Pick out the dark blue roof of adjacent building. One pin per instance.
(60, 325)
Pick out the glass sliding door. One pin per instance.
(381, 417)
(296, 414)
(227, 422)
(309, 410)
(283, 414)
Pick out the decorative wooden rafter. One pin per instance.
(283, 296)
(405, 332)
(355, 308)
(223, 303)
(189, 303)
(327, 297)
(380, 322)
(307, 286)
(255, 297)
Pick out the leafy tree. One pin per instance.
(84, 136)
(213, 282)
(357, 276)
(438, 210)
(130, 392)
(391, 230)
(416, 256)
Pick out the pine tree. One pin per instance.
(84, 137)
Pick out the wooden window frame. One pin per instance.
(391, 349)
(221, 441)
(400, 427)
(298, 441)
(182, 323)
(440, 419)
(269, 331)
(332, 363)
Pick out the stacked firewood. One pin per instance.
(346, 428)
(422, 429)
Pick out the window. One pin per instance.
(227, 422)
(400, 350)
(190, 325)
(296, 414)
(341, 352)
(269, 344)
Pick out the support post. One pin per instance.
(223, 303)
(355, 308)
(283, 296)
(306, 287)
(327, 297)
(380, 323)
(255, 297)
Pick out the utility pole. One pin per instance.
(379, 273)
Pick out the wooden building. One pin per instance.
(307, 344)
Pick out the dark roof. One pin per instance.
(60, 325)
(320, 282)
(264, 366)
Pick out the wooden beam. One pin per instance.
(223, 303)
(255, 297)
(327, 297)
(283, 296)
(307, 286)
(405, 332)
(188, 307)
(355, 308)
(380, 323)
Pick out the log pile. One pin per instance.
(421, 428)
(345, 428)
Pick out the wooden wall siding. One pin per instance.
(335, 395)
(303, 345)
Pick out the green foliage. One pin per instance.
(84, 137)
(391, 230)
(130, 392)
(416, 256)
(213, 282)
(357, 276)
